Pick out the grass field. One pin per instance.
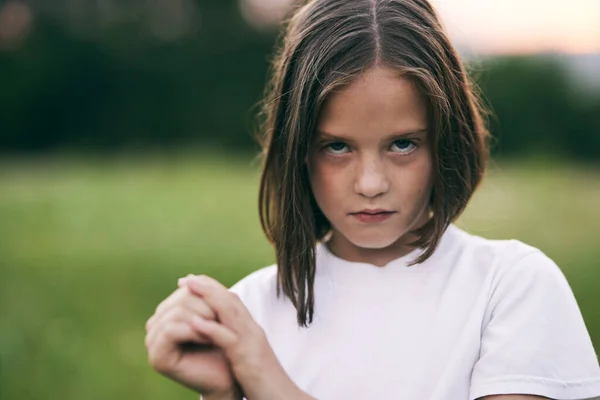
(89, 247)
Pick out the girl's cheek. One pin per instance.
(323, 181)
(327, 171)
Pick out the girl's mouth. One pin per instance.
(372, 217)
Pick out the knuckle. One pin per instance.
(173, 330)
(181, 298)
(163, 305)
(203, 310)
(149, 323)
(187, 298)
(206, 280)
(180, 295)
(234, 312)
(235, 305)
(236, 343)
(156, 362)
(169, 331)
(173, 315)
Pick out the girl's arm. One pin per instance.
(243, 341)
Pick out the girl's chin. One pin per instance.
(372, 242)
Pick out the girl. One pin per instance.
(373, 144)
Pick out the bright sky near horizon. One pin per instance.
(523, 26)
(499, 26)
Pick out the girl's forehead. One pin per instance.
(378, 100)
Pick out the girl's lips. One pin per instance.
(372, 218)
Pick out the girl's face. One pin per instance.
(370, 167)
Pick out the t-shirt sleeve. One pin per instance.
(535, 340)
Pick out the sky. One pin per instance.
(523, 26)
(502, 26)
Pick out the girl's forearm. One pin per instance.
(274, 384)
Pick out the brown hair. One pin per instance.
(325, 45)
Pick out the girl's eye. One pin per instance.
(403, 146)
(337, 148)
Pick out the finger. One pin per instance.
(219, 334)
(207, 280)
(197, 305)
(178, 332)
(175, 315)
(227, 305)
(150, 322)
(163, 349)
(173, 298)
(183, 298)
(181, 281)
(163, 308)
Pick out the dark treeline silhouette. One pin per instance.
(119, 87)
(538, 107)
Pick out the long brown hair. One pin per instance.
(325, 45)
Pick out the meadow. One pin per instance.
(89, 247)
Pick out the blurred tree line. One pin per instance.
(191, 72)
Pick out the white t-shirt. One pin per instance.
(479, 317)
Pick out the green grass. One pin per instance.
(89, 247)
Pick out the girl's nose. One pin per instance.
(371, 180)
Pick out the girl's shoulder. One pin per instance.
(462, 239)
(513, 274)
(496, 256)
(259, 281)
(533, 336)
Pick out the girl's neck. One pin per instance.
(342, 248)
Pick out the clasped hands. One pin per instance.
(203, 337)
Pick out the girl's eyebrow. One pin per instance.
(412, 132)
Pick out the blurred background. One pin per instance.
(127, 161)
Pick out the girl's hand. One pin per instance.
(243, 341)
(180, 352)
